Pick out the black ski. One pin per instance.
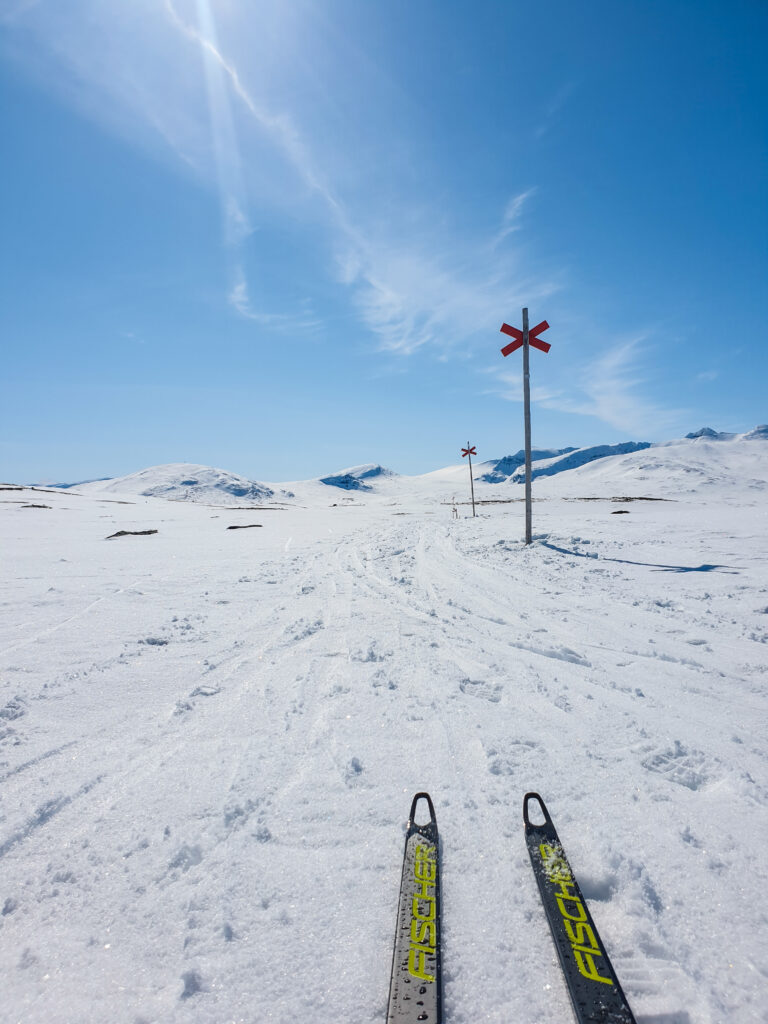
(593, 986)
(415, 990)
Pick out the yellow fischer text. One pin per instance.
(580, 933)
(423, 913)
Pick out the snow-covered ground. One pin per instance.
(209, 740)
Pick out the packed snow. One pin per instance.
(210, 738)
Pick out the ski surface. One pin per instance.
(415, 991)
(594, 989)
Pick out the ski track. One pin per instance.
(205, 783)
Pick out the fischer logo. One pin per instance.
(580, 933)
(423, 913)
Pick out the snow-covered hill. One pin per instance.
(710, 434)
(182, 481)
(574, 458)
(704, 458)
(357, 478)
(733, 469)
(500, 470)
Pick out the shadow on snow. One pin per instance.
(656, 566)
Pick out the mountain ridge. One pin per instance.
(693, 459)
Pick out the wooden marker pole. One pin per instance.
(471, 481)
(469, 451)
(525, 339)
(527, 415)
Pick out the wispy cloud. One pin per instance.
(510, 387)
(610, 388)
(411, 287)
(440, 291)
(512, 213)
(707, 375)
(239, 298)
(409, 298)
(279, 126)
(553, 108)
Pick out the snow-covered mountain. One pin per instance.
(354, 478)
(184, 481)
(702, 459)
(728, 469)
(573, 458)
(708, 432)
(707, 462)
(502, 469)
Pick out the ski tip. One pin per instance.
(412, 815)
(543, 807)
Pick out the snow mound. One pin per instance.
(503, 469)
(712, 435)
(183, 481)
(577, 457)
(353, 479)
(760, 433)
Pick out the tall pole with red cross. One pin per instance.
(470, 450)
(526, 338)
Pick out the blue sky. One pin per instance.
(280, 236)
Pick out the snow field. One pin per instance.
(209, 741)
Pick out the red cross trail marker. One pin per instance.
(526, 337)
(470, 450)
(533, 338)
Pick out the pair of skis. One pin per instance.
(415, 994)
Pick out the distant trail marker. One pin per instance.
(526, 338)
(470, 451)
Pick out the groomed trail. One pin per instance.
(209, 742)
